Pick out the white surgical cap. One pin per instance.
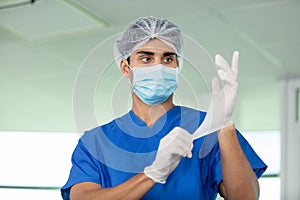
(143, 29)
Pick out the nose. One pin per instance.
(158, 60)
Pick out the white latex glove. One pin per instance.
(223, 100)
(175, 145)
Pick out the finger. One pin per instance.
(216, 88)
(235, 62)
(225, 77)
(185, 151)
(184, 136)
(181, 150)
(184, 145)
(222, 74)
(189, 152)
(222, 63)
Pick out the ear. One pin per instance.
(124, 67)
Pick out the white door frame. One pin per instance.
(290, 140)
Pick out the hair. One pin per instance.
(128, 60)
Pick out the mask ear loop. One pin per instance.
(131, 68)
(129, 65)
(129, 81)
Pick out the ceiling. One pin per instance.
(46, 45)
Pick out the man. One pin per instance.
(151, 152)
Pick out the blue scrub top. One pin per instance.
(113, 153)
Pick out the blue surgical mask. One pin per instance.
(154, 84)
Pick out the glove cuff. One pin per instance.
(228, 122)
(154, 175)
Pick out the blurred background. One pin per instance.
(58, 78)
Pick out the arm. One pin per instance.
(175, 145)
(239, 180)
(134, 188)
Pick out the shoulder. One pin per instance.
(92, 133)
(107, 127)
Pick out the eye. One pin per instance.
(146, 59)
(168, 60)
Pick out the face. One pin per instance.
(152, 53)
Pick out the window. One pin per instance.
(267, 146)
(34, 165)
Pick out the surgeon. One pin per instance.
(159, 150)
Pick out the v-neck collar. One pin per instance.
(167, 116)
(133, 126)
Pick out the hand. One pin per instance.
(223, 100)
(229, 93)
(175, 145)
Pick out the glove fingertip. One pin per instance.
(190, 155)
(217, 59)
(236, 53)
(235, 61)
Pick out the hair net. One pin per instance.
(143, 29)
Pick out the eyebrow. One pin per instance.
(170, 54)
(145, 52)
(152, 53)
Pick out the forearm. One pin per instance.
(240, 182)
(134, 188)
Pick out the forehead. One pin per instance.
(155, 46)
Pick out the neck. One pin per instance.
(149, 114)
